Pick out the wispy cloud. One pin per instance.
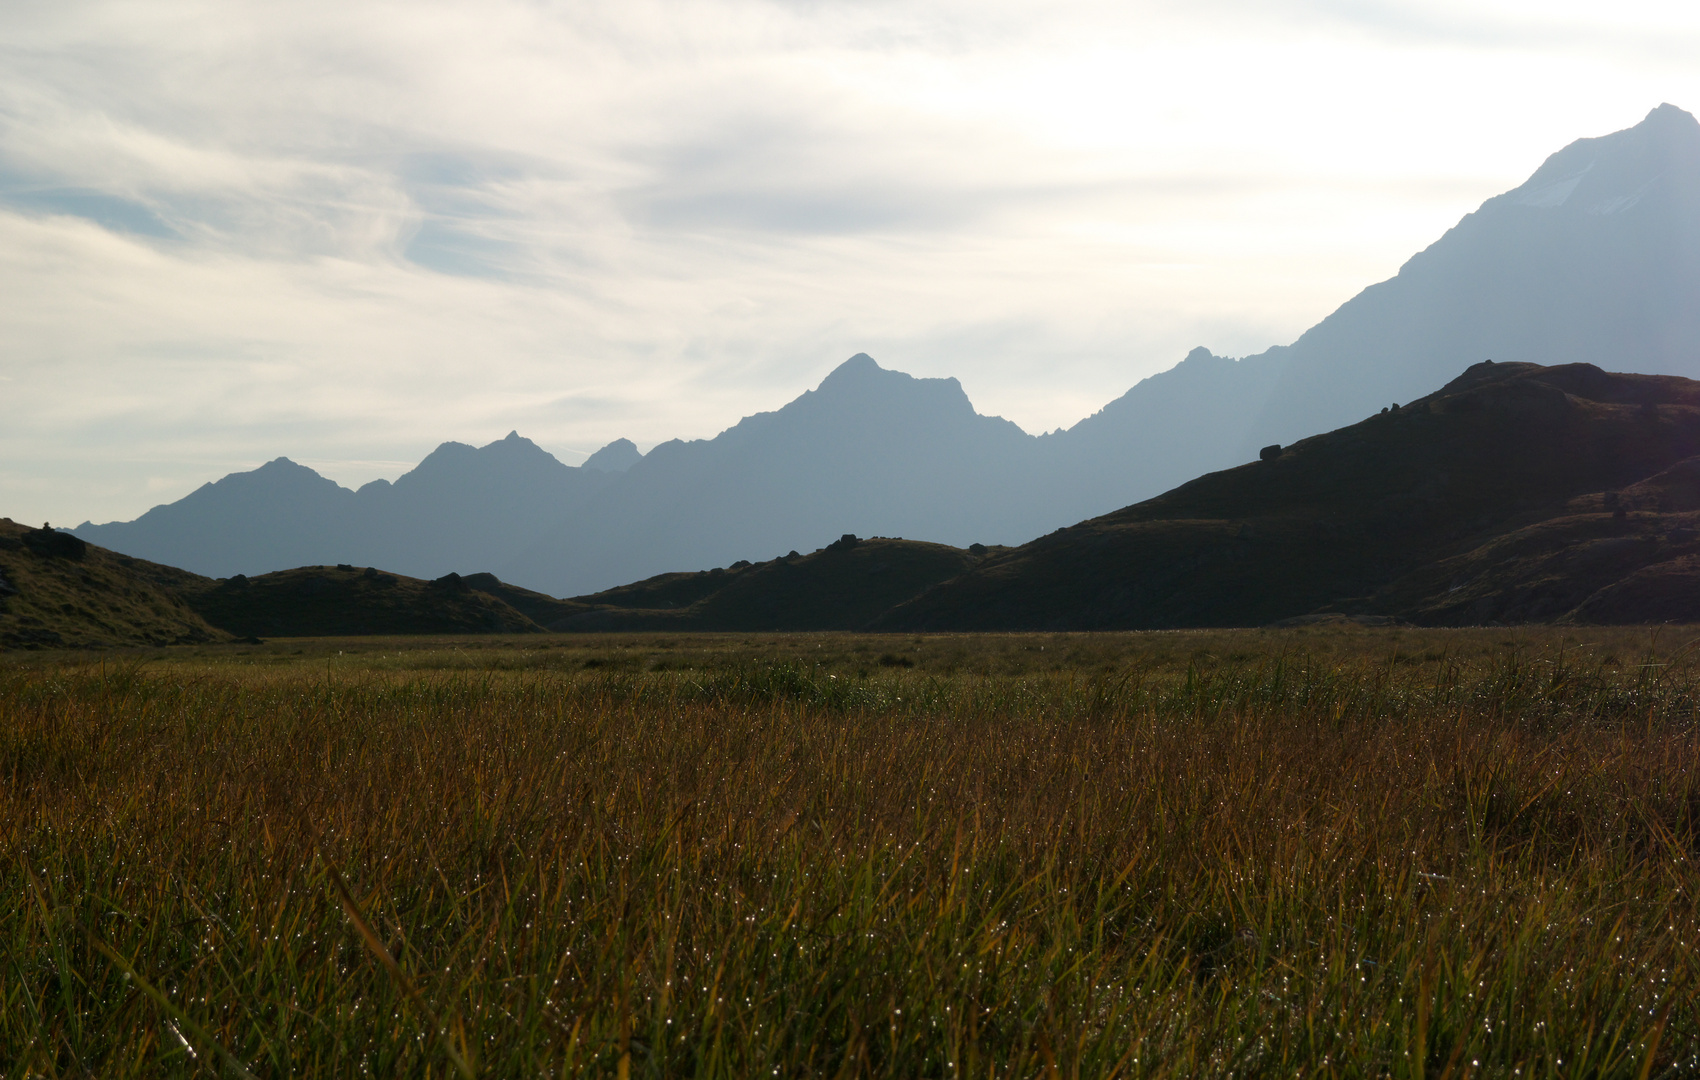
(346, 231)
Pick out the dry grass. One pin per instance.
(1276, 855)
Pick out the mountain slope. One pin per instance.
(1188, 420)
(1595, 258)
(1512, 475)
(58, 592)
(281, 514)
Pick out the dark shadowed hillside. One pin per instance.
(844, 586)
(336, 601)
(1515, 493)
(57, 591)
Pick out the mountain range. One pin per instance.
(1596, 258)
(1515, 493)
(459, 507)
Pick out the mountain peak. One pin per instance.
(617, 456)
(858, 367)
(279, 467)
(860, 384)
(1670, 117)
(514, 443)
(1659, 158)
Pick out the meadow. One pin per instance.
(1328, 851)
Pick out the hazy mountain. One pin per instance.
(1596, 258)
(459, 508)
(870, 451)
(1190, 419)
(467, 509)
(281, 514)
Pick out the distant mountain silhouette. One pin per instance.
(1595, 258)
(1516, 493)
(1191, 419)
(463, 508)
(281, 514)
(460, 507)
(870, 450)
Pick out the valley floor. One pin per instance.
(1328, 850)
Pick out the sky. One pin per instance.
(346, 232)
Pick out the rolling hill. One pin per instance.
(342, 601)
(843, 586)
(58, 592)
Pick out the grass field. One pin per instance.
(1299, 853)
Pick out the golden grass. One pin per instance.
(1235, 853)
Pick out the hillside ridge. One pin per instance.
(1515, 493)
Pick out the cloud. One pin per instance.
(348, 231)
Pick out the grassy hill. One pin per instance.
(58, 592)
(347, 600)
(843, 586)
(1515, 493)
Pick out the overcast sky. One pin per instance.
(345, 232)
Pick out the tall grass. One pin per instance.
(1278, 866)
